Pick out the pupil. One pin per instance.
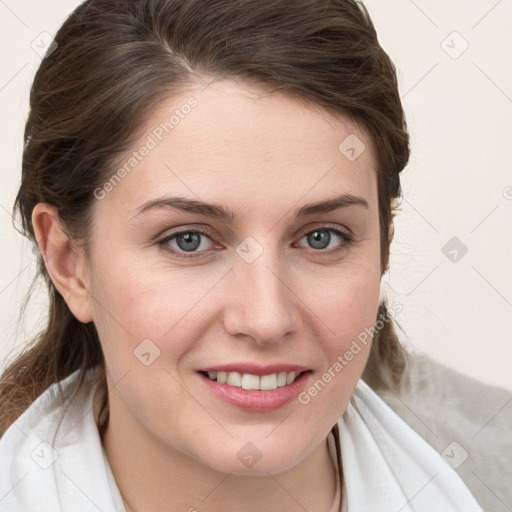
(191, 241)
(320, 239)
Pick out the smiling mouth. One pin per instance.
(255, 382)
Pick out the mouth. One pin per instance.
(253, 382)
(255, 388)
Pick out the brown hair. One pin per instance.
(115, 60)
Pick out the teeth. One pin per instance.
(281, 379)
(248, 381)
(234, 379)
(268, 381)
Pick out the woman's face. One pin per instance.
(209, 254)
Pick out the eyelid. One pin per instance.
(188, 229)
(344, 233)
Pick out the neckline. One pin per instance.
(335, 452)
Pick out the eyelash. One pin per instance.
(347, 240)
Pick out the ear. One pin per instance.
(64, 262)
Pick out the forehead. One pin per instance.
(208, 143)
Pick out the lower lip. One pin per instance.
(254, 399)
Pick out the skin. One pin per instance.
(173, 445)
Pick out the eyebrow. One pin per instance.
(222, 213)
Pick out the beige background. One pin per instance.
(453, 61)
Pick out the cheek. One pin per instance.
(348, 310)
(348, 303)
(133, 305)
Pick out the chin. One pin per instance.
(260, 468)
(253, 459)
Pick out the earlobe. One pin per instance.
(63, 261)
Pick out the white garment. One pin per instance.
(387, 466)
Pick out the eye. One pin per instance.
(321, 238)
(190, 241)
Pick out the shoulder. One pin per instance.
(45, 443)
(466, 421)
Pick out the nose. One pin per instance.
(262, 303)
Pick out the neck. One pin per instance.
(153, 478)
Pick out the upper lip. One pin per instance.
(256, 369)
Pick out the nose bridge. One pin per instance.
(263, 305)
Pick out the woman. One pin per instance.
(211, 186)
